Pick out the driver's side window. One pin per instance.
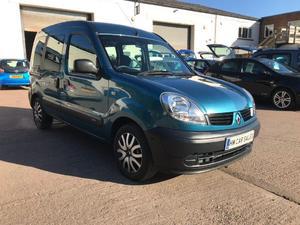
(80, 48)
(253, 68)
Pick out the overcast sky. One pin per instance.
(256, 8)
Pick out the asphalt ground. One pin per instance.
(63, 176)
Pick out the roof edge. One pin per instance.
(195, 8)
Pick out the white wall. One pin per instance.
(121, 12)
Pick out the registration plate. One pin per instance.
(16, 76)
(239, 140)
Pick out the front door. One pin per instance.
(256, 78)
(84, 95)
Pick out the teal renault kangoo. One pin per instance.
(157, 113)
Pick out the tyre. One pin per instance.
(283, 99)
(41, 119)
(133, 154)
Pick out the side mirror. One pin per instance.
(85, 66)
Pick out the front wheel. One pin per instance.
(283, 99)
(132, 153)
(41, 119)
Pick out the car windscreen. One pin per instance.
(134, 55)
(14, 66)
(276, 66)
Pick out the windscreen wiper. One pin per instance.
(156, 72)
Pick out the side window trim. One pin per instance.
(66, 67)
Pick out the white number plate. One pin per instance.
(239, 140)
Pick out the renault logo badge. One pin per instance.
(238, 119)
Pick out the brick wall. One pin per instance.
(279, 21)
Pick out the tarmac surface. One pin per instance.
(63, 176)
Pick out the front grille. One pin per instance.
(221, 118)
(246, 114)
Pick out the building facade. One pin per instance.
(183, 25)
(283, 28)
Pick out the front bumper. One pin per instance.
(193, 152)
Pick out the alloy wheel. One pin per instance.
(129, 153)
(282, 99)
(37, 112)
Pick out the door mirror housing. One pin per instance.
(85, 66)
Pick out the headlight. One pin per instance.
(253, 108)
(181, 108)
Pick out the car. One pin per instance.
(200, 65)
(263, 78)
(14, 73)
(156, 118)
(206, 55)
(219, 52)
(187, 54)
(287, 56)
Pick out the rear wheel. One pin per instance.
(132, 153)
(41, 119)
(283, 99)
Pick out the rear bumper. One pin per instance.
(194, 152)
(5, 80)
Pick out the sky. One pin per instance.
(255, 8)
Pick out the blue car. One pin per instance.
(129, 87)
(14, 72)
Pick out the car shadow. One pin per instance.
(61, 149)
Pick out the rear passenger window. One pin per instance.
(230, 67)
(80, 47)
(53, 54)
(37, 56)
(282, 58)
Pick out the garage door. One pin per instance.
(177, 35)
(34, 19)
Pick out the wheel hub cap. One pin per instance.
(130, 153)
(282, 99)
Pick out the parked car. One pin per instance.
(187, 54)
(156, 119)
(200, 65)
(14, 72)
(219, 52)
(262, 77)
(289, 57)
(206, 55)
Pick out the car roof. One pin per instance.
(101, 28)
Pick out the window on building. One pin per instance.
(269, 30)
(245, 33)
(80, 48)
